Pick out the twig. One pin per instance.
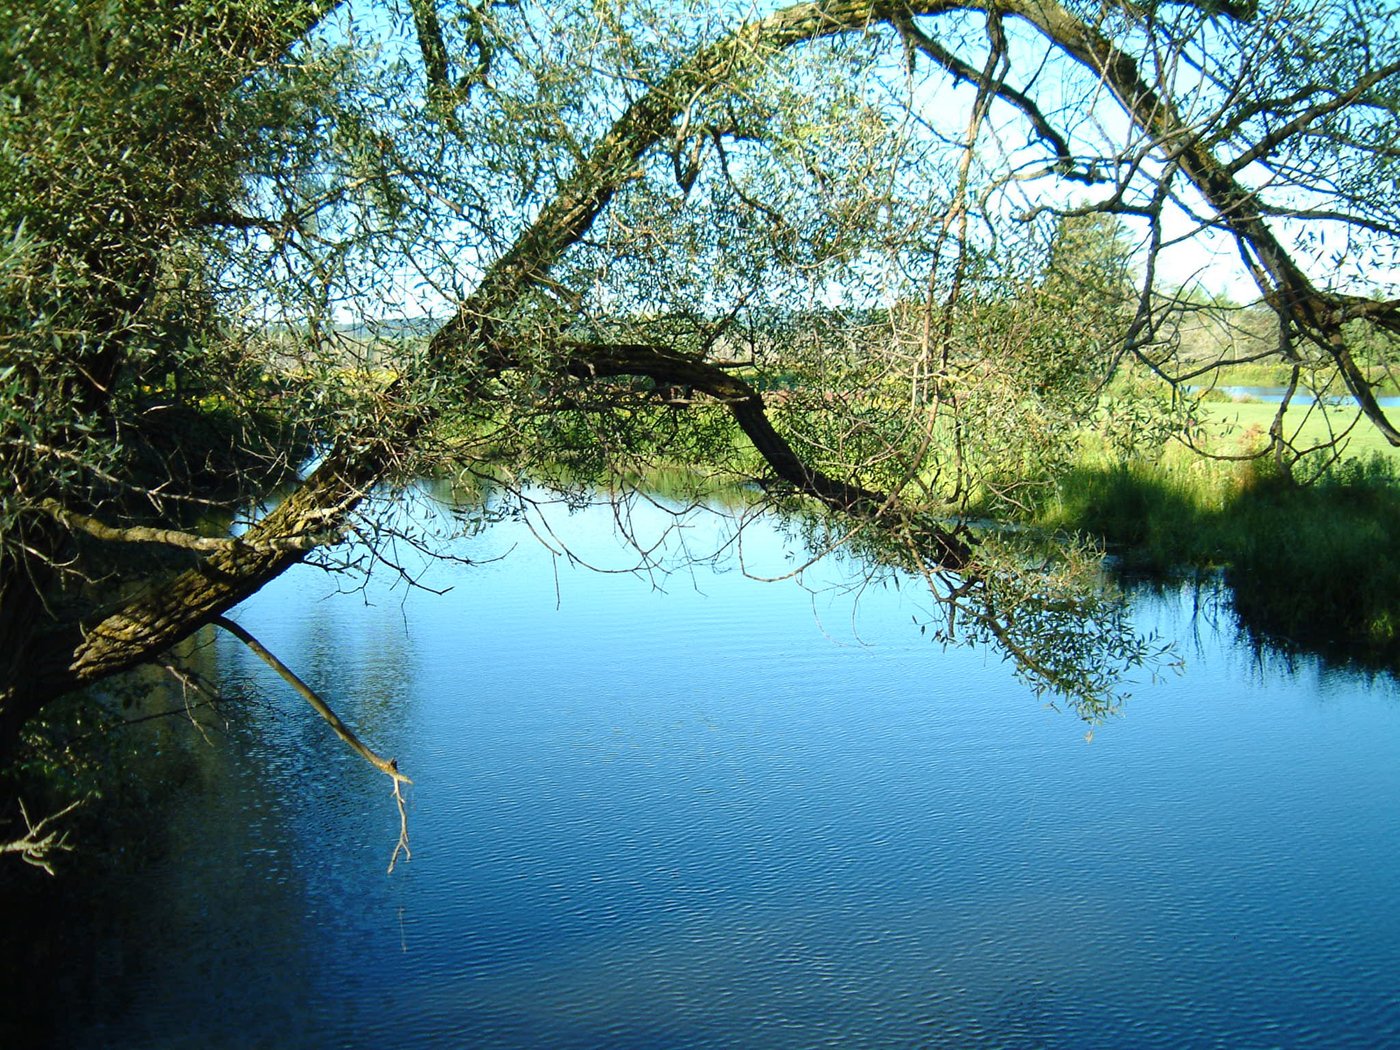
(188, 682)
(35, 847)
(402, 845)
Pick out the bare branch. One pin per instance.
(388, 766)
(963, 71)
(37, 846)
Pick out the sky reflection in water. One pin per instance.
(736, 814)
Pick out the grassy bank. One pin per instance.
(1315, 566)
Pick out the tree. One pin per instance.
(218, 209)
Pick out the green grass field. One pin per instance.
(1239, 426)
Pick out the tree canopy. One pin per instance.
(877, 257)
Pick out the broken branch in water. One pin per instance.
(36, 846)
(388, 766)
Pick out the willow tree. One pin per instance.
(410, 234)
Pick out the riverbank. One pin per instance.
(1314, 566)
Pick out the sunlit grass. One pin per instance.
(1316, 564)
(1242, 426)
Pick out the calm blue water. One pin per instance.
(737, 814)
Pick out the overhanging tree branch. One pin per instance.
(1289, 291)
(596, 360)
(387, 766)
(73, 656)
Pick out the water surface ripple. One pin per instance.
(736, 815)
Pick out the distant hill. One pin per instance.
(394, 329)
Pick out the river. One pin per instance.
(702, 810)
